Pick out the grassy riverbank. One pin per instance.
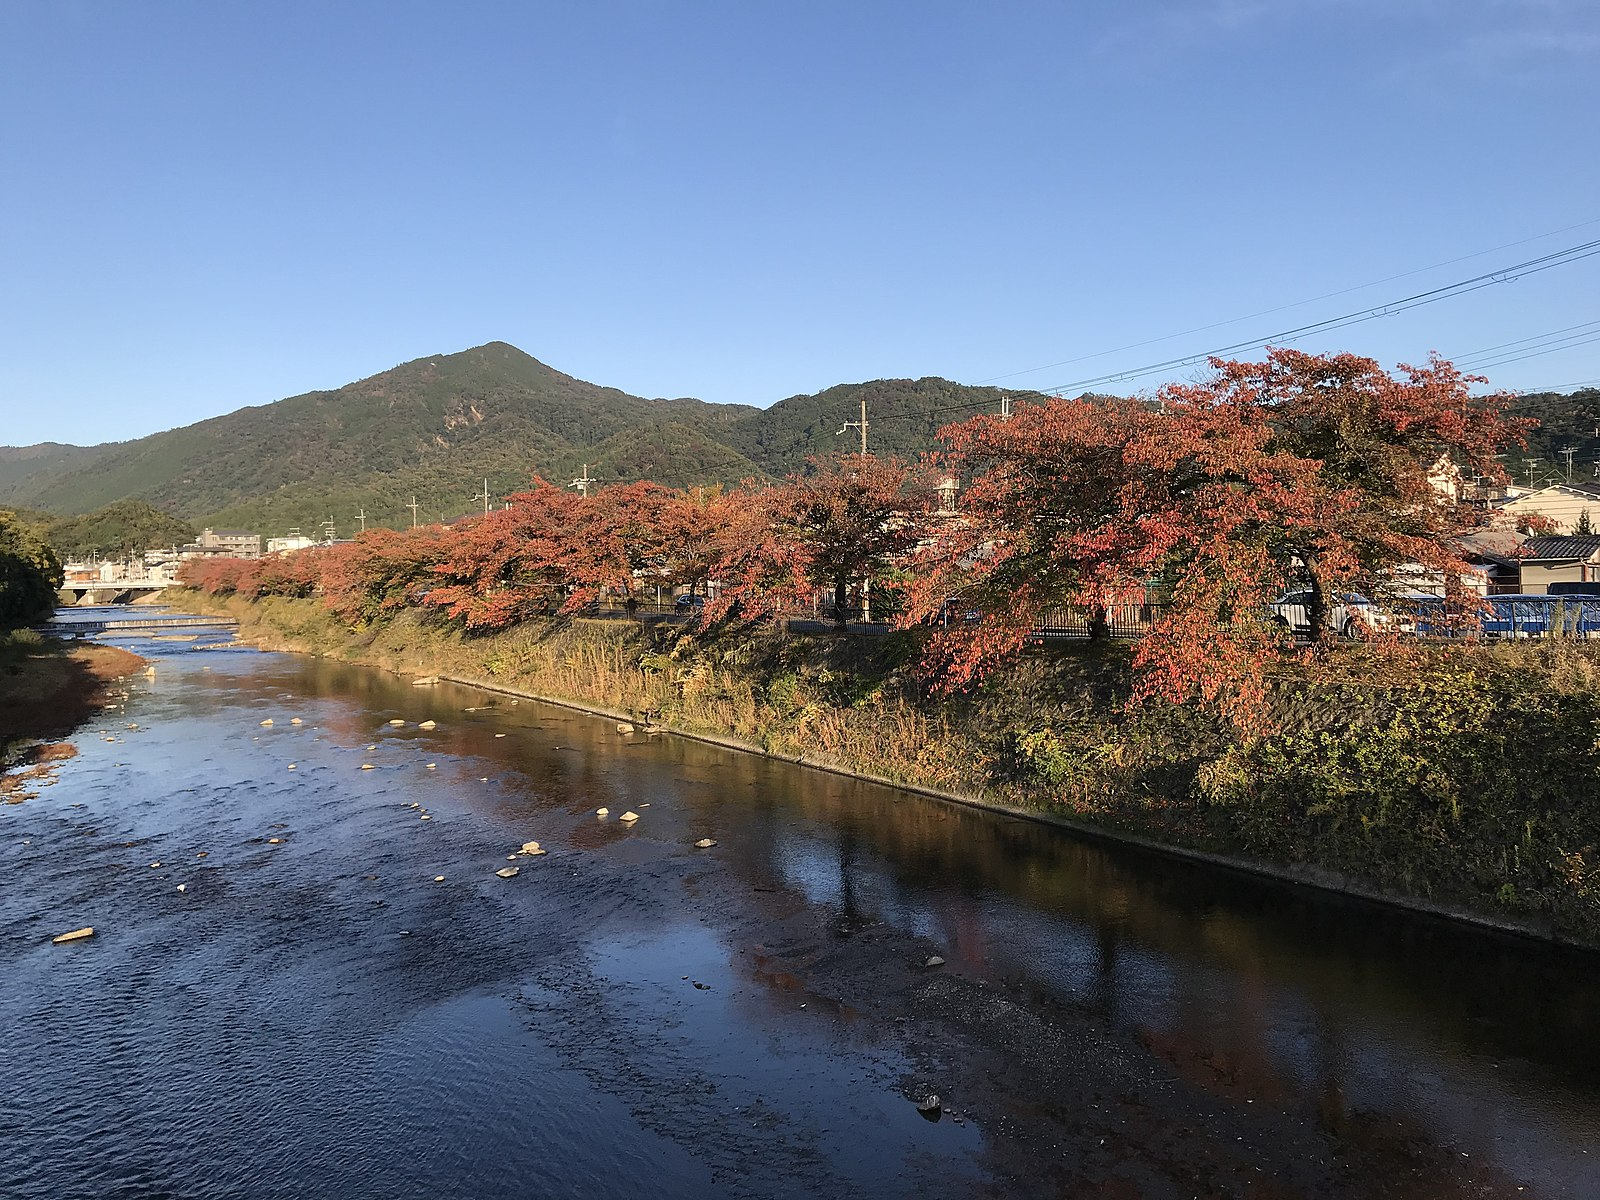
(1468, 780)
(49, 688)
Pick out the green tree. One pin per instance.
(1585, 526)
(30, 575)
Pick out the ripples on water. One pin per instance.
(321, 1018)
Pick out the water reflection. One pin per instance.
(1252, 993)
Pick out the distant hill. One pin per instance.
(436, 427)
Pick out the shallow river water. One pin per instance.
(631, 1016)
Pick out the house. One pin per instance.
(224, 543)
(1547, 560)
(287, 545)
(1564, 503)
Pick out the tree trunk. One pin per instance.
(1099, 627)
(841, 597)
(1318, 611)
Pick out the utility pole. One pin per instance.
(413, 507)
(583, 482)
(1005, 407)
(484, 496)
(327, 528)
(362, 517)
(1569, 451)
(1530, 464)
(861, 425)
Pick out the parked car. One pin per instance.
(1349, 613)
(689, 603)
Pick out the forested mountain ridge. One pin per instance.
(437, 427)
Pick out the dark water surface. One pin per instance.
(631, 1016)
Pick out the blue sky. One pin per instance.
(205, 205)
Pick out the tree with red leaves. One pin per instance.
(1215, 495)
(850, 519)
(510, 564)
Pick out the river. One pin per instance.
(293, 1003)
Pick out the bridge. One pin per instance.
(112, 591)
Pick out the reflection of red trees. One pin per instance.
(1321, 470)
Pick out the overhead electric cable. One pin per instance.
(1360, 287)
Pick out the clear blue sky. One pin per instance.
(207, 205)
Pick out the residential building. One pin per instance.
(1563, 503)
(1547, 560)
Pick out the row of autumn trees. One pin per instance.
(1304, 469)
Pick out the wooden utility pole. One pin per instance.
(583, 482)
(861, 425)
(413, 507)
(362, 517)
(484, 496)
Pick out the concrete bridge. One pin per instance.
(111, 591)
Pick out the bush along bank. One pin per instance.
(1465, 780)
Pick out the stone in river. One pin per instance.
(624, 727)
(529, 847)
(704, 844)
(77, 935)
(508, 872)
(425, 681)
(431, 766)
(934, 961)
(630, 817)
(397, 721)
(438, 878)
(268, 721)
(929, 1107)
(274, 841)
(427, 725)
(368, 767)
(602, 812)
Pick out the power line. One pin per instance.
(1566, 343)
(1532, 266)
(1432, 296)
(1295, 304)
(1471, 354)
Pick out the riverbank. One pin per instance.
(1463, 783)
(48, 689)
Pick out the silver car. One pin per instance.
(1350, 614)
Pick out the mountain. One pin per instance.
(437, 427)
(434, 427)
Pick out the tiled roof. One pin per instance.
(1561, 549)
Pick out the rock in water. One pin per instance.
(602, 812)
(425, 681)
(77, 935)
(397, 721)
(295, 721)
(630, 817)
(428, 725)
(930, 1107)
(934, 961)
(530, 847)
(268, 721)
(624, 727)
(508, 872)
(704, 844)
(367, 767)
